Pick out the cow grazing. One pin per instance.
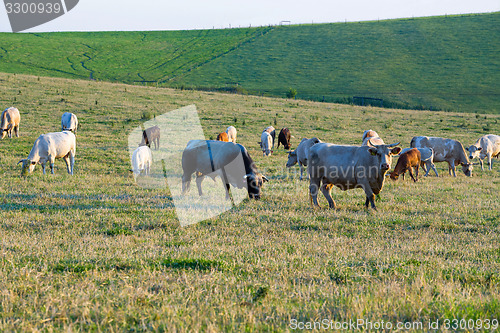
(284, 138)
(223, 137)
(426, 159)
(10, 122)
(149, 135)
(299, 155)
(47, 148)
(69, 122)
(231, 134)
(445, 150)
(212, 158)
(142, 159)
(406, 162)
(348, 167)
(487, 146)
(272, 131)
(266, 143)
(373, 137)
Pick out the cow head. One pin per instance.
(474, 151)
(26, 167)
(467, 168)
(254, 184)
(4, 132)
(384, 154)
(292, 159)
(393, 175)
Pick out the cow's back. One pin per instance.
(444, 149)
(10, 116)
(490, 143)
(335, 161)
(60, 143)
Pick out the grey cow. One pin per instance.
(445, 150)
(349, 167)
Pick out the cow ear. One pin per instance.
(480, 148)
(372, 151)
(396, 150)
(264, 178)
(467, 148)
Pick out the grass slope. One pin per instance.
(95, 252)
(440, 63)
(448, 63)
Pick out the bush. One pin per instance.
(291, 93)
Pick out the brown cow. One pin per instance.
(223, 137)
(406, 162)
(284, 138)
(149, 135)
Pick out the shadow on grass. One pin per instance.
(24, 202)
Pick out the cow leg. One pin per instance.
(301, 171)
(313, 192)
(411, 174)
(16, 130)
(370, 198)
(325, 189)
(72, 162)
(199, 179)
(426, 169)
(186, 182)
(451, 167)
(490, 162)
(43, 168)
(68, 165)
(403, 174)
(433, 166)
(225, 182)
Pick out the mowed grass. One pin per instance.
(95, 252)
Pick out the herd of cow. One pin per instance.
(48, 147)
(328, 165)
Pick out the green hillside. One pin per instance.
(438, 63)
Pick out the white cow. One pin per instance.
(231, 134)
(47, 148)
(445, 150)
(266, 143)
(142, 159)
(69, 122)
(299, 155)
(271, 130)
(487, 146)
(373, 137)
(426, 159)
(10, 120)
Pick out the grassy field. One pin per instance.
(95, 252)
(438, 63)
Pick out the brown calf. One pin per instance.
(223, 137)
(284, 138)
(407, 161)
